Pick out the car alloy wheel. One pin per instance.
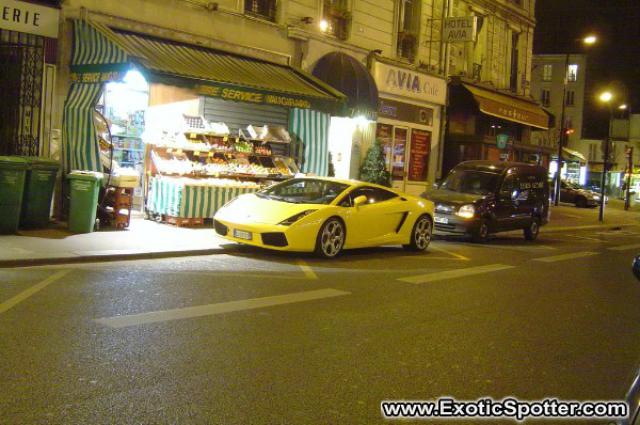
(331, 238)
(422, 234)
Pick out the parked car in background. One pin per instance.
(478, 198)
(574, 194)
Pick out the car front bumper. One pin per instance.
(270, 236)
(453, 225)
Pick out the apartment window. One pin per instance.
(545, 97)
(408, 24)
(513, 82)
(547, 72)
(263, 9)
(337, 16)
(572, 74)
(570, 97)
(593, 152)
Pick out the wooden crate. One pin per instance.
(183, 221)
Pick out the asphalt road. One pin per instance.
(252, 337)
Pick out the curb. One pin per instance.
(98, 258)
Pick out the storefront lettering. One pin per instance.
(13, 15)
(253, 97)
(415, 85)
(29, 18)
(403, 80)
(95, 77)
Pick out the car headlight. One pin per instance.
(294, 218)
(596, 197)
(466, 211)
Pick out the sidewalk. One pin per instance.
(146, 239)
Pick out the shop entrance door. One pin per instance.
(398, 157)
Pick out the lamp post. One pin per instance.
(587, 41)
(606, 98)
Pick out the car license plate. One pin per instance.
(241, 234)
(442, 220)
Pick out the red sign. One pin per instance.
(419, 155)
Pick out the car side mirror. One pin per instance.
(360, 200)
(636, 267)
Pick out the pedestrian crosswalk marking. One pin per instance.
(564, 257)
(456, 273)
(218, 308)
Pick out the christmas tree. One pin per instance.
(374, 169)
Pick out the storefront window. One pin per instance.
(399, 144)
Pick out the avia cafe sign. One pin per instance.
(411, 84)
(460, 29)
(29, 18)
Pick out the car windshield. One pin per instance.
(304, 191)
(470, 181)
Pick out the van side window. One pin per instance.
(507, 185)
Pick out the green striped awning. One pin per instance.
(310, 131)
(80, 142)
(211, 72)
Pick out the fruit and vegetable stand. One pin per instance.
(189, 198)
(196, 170)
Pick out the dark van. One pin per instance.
(482, 197)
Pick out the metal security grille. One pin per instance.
(21, 66)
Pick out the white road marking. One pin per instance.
(451, 253)
(563, 257)
(307, 270)
(219, 308)
(625, 247)
(12, 302)
(452, 274)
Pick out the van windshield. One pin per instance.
(470, 181)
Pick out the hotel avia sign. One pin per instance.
(411, 84)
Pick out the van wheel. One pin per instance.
(481, 233)
(531, 232)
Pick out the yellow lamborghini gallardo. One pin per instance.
(326, 215)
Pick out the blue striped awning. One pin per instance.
(79, 139)
(310, 131)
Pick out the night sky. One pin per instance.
(613, 63)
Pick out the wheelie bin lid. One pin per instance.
(14, 162)
(41, 163)
(85, 175)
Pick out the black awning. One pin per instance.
(347, 75)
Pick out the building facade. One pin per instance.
(548, 75)
(419, 55)
(491, 114)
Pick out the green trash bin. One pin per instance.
(12, 175)
(38, 191)
(84, 188)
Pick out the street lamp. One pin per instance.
(605, 97)
(587, 41)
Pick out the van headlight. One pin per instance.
(466, 211)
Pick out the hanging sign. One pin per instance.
(29, 18)
(502, 140)
(460, 29)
